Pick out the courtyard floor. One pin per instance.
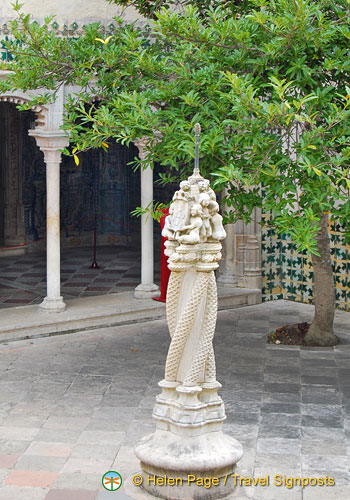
(73, 406)
(23, 278)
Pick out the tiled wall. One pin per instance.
(287, 274)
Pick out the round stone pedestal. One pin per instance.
(198, 466)
(52, 305)
(143, 291)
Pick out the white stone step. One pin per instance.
(17, 323)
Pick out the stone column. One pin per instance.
(227, 267)
(240, 260)
(146, 289)
(252, 257)
(226, 276)
(50, 142)
(188, 445)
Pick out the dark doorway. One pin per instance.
(101, 190)
(14, 142)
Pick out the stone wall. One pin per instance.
(69, 11)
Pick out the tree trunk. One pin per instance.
(321, 330)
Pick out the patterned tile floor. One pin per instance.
(23, 278)
(73, 406)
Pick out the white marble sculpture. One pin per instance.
(189, 413)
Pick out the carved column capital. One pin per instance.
(50, 143)
(141, 145)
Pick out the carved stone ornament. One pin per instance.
(189, 413)
(194, 220)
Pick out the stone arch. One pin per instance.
(40, 111)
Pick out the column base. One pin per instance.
(143, 291)
(226, 280)
(188, 446)
(253, 281)
(55, 305)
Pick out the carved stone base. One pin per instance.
(252, 281)
(146, 291)
(190, 462)
(189, 410)
(188, 445)
(52, 305)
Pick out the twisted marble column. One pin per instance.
(189, 413)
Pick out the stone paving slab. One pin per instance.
(73, 406)
(28, 321)
(23, 277)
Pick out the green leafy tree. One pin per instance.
(267, 80)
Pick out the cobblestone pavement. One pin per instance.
(73, 406)
(23, 278)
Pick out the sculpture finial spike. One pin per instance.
(197, 131)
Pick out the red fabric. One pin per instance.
(165, 271)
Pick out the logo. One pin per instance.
(112, 480)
